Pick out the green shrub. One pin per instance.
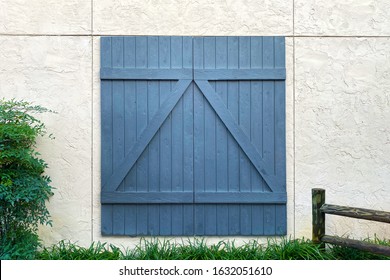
(24, 189)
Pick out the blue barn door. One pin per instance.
(147, 176)
(193, 136)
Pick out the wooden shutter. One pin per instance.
(193, 136)
(146, 178)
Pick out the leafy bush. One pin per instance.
(24, 189)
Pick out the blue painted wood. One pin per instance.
(280, 115)
(222, 140)
(206, 158)
(188, 140)
(118, 125)
(233, 147)
(146, 74)
(269, 220)
(130, 104)
(256, 120)
(146, 135)
(239, 74)
(154, 145)
(166, 137)
(210, 211)
(245, 197)
(238, 134)
(130, 134)
(280, 142)
(106, 135)
(177, 140)
(257, 182)
(280, 219)
(258, 219)
(269, 128)
(245, 125)
(146, 197)
(141, 62)
(130, 220)
(199, 139)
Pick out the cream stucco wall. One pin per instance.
(337, 105)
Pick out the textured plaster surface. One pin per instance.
(342, 128)
(55, 72)
(348, 17)
(193, 17)
(337, 95)
(45, 17)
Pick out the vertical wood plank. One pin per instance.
(130, 133)
(269, 127)
(131, 220)
(280, 219)
(210, 210)
(106, 112)
(268, 105)
(269, 219)
(165, 138)
(222, 139)
(233, 148)
(257, 183)
(199, 139)
(280, 131)
(177, 140)
(257, 219)
(118, 132)
(154, 146)
(118, 106)
(280, 115)
(130, 111)
(177, 121)
(188, 139)
(244, 123)
(106, 135)
(142, 122)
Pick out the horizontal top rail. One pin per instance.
(359, 213)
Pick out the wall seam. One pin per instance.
(293, 120)
(45, 35)
(286, 36)
(92, 121)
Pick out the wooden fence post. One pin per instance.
(318, 217)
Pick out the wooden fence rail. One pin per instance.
(319, 209)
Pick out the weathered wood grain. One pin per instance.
(361, 245)
(318, 199)
(359, 213)
(319, 210)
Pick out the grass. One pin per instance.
(286, 249)
(346, 253)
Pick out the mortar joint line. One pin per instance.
(91, 34)
(92, 122)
